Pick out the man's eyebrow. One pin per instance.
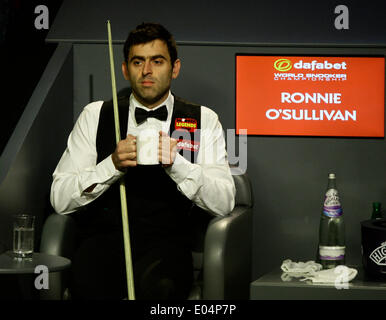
(137, 58)
(158, 56)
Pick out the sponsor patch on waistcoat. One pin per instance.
(189, 124)
(188, 145)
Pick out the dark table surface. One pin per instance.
(10, 265)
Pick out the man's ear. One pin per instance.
(176, 68)
(125, 71)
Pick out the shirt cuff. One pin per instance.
(103, 174)
(179, 170)
(186, 175)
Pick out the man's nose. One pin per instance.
(147, 69)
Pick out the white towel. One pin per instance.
(339, 274)
(300, 268)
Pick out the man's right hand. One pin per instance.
(125, 154)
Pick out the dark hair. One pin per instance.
(147, 32)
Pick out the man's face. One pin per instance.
(150, 72)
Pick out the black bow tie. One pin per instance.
(141, 115)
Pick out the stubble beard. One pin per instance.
(150, 99)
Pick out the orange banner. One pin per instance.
(310, 95)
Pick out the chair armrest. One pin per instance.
(58, 235)
(227, 256)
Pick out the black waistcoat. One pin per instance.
(158, 212)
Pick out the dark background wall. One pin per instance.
(288, 174)
(23, 57)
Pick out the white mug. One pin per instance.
(147, 146)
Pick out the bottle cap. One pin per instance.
(376, 204)
(331, 176)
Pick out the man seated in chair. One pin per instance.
(192, 171)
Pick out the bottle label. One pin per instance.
(331, 206)
(331, 252)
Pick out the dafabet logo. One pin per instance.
(282, 65)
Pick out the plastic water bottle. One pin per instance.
(331, 229)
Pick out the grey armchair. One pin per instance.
(221, 249)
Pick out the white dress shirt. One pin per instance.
(208, 183)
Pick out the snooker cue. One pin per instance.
(122, 187)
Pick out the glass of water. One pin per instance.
(23, 236)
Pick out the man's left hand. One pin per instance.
(167, 149)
